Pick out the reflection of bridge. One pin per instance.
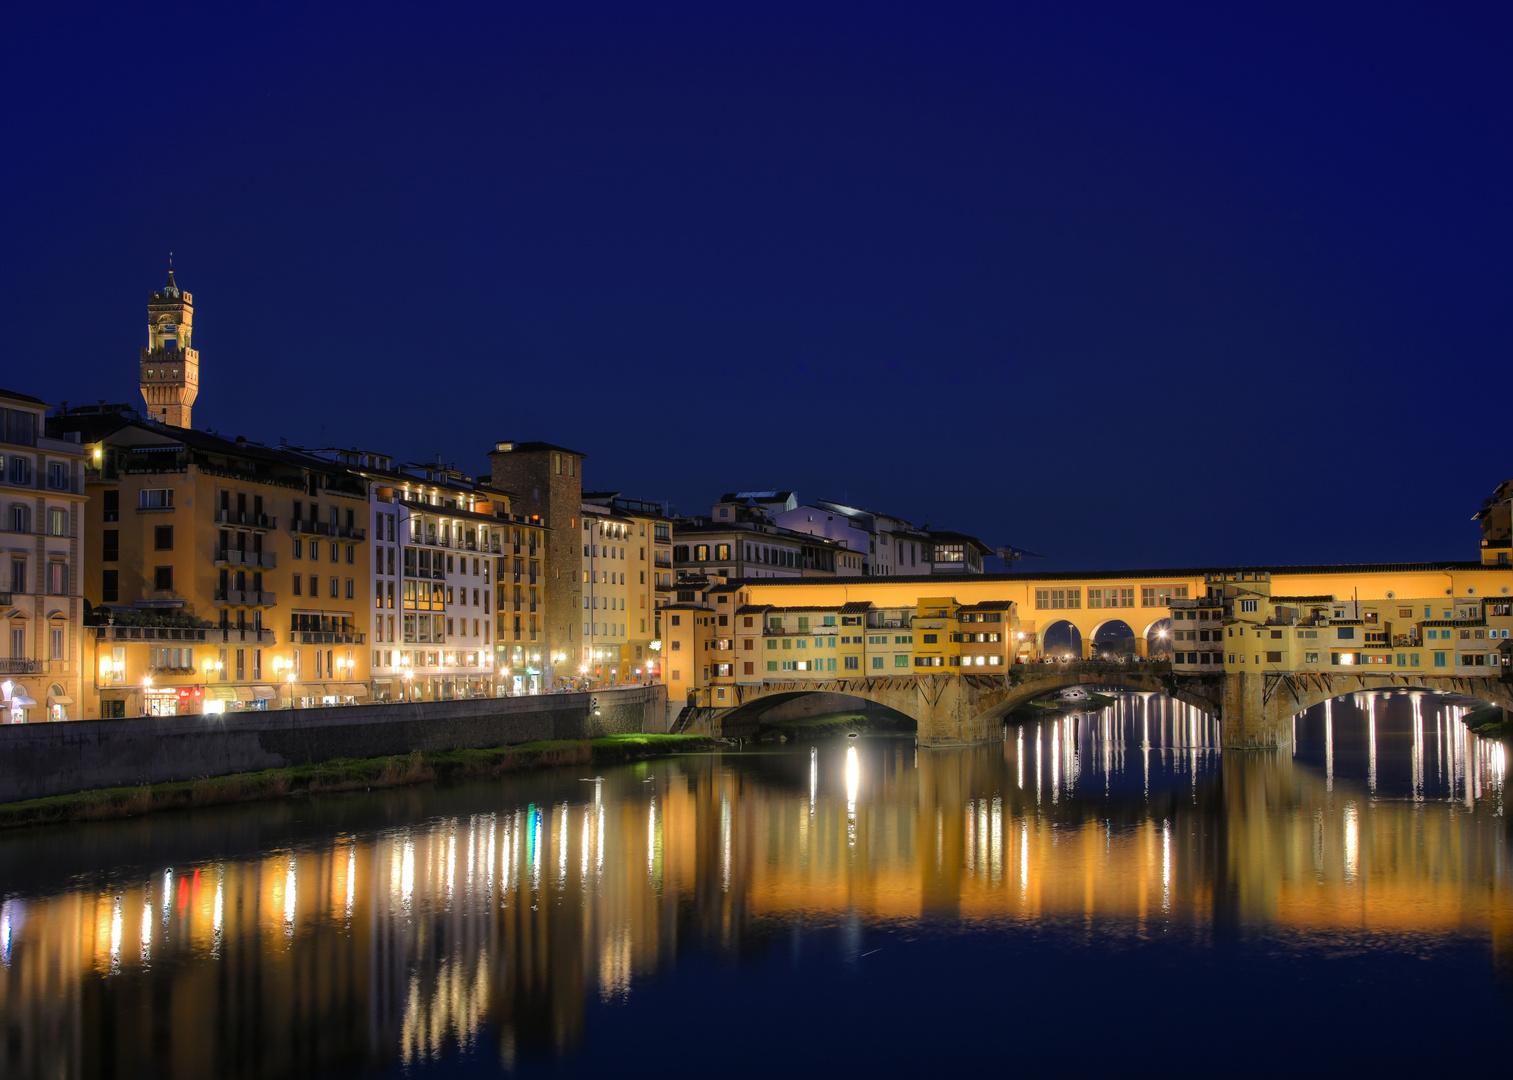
(1255, 709)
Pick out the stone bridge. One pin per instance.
(1254, 711)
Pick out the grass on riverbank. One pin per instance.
(1487, 721)
(343, 774)
(1041, 710)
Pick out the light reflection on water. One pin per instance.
(409, 926)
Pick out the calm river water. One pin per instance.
(1104, 892)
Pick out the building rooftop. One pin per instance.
(513, 446)
(14, 396)
(1159, 574)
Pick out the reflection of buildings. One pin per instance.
(403, 943)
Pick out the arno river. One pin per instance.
(1100, 892)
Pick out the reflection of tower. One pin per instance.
(170, 370)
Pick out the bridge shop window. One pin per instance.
(1110, 598)
(1058, 599)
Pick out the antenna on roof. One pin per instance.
(1010, 555)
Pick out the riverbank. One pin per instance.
(1042, 710)
(1490, 722)
(349, 774)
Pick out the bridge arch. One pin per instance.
(1061, 637)
(1303, 693)
(1114, 637)
(1158, 638)
(800, 702)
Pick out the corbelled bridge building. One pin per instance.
(1253, 647)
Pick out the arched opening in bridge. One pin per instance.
(1158, 640)
(1061, 639)
(801, 714)
(1113, 639)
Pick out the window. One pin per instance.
(162, 538)
(1274, 658)
(1345, 633)
(110, 587)
(900, 660)
(57, 475)
(162, 578)
(59, 649)
(853, 663)
(351, 587)
(1056, 599)
(877, 663)
(1310, 658)
(155, 499)
(1245, 605)
(930, 639)
(57, 522)
(57, 579)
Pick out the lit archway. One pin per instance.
(1158, 639)
(1114, 637)
(1061, 638)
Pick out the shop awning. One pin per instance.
(358, 689)
(244, 693)
(262, 690)
(59, 699)
(21, 701)
(220, 693)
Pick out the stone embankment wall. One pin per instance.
(37, 760)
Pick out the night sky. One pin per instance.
(1128, 285)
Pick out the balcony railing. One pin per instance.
(151, 633)
(328, 637)
(244, 634)
(325, 528)
(12, 665)
(262, 560)
(247, 518)
(244, 598)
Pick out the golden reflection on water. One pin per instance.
(405, 942)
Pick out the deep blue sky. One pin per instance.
(1128, 287)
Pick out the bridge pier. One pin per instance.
(1245, 723)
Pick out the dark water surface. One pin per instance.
(1099, 893)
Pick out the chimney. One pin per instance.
(241, 440)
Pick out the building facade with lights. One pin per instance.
(436, 539)
(42, 498)
(223, 574)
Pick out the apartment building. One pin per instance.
(609, 549)
(42, 497)
(740, 540)
(649, 581)
(223, 574)
(435, 541)
(1458, 634)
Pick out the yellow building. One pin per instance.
(1466, 635)
(224, 574)
(41, 604)
(647, 569)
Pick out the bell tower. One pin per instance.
(170, 371)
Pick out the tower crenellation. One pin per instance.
(170, 367)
